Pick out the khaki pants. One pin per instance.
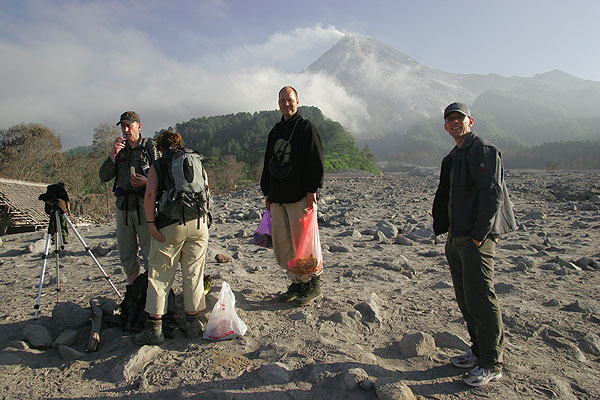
(132, 232)
(286, 231)
(185, 245)
(472, 270)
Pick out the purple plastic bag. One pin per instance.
(262, 236)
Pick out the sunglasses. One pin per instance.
(455, 117)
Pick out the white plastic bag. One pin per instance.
(223, 322)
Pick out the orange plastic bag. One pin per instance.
(309, 258)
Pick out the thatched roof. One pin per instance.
(20, 206)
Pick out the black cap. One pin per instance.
(458, 107)
(128, 117)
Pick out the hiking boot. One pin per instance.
(481, 376)
(193, 326)
(152, 333)
(467, 360)
(294, 290)
(311, 292)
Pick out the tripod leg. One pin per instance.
(45, 258)
(58, 246)
(89, 251)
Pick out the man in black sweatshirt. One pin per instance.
(293, 171)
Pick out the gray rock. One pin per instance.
(447, 339)
(392, 389)
(581, 306)
(404, 241)
(356, 234)
(67, 338)
(550, 267)
(70, 316)
(566, 264)
(367, 385)
(253, 214)
(276, 373)
(529, 262)
(349, 221)
(504, 288)
(441, 285)
(369, 311)
(416, 344)
(521, 266)
(387, 228)
(37, 336)
(430, 253)
(242, 233)
(587, 263)
(69, 354)
(574, 353)
(135, 364)
(561, 389)
(424, 233)
(350, 379)
(237, 215)
(346, 319)
(552, 303)
(387, 264)
(588, 206)
(299, 315)
(535, 215)
(339, 248)
(590, 344)
(102, 249)
(381, 238)
(36, 247)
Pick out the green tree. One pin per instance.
(104, 137)
(29, 152)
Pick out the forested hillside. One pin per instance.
(244, 136)
(234, 145)
(427, 142)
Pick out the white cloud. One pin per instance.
(289, 51)
(72, 69)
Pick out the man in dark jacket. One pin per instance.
(472, 205)
(293, 171)
(128, 163)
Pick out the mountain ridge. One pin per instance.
(399, 91)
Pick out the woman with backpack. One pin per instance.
(176, 239)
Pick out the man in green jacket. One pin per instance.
(472, 205)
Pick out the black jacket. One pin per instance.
(307, 162)
(480, 203)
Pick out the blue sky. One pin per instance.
(73, 65)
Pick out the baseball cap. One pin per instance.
(128, 117)
(458, 107)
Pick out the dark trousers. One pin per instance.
(472, 270)
(63, 227)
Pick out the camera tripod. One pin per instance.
(55, 229)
